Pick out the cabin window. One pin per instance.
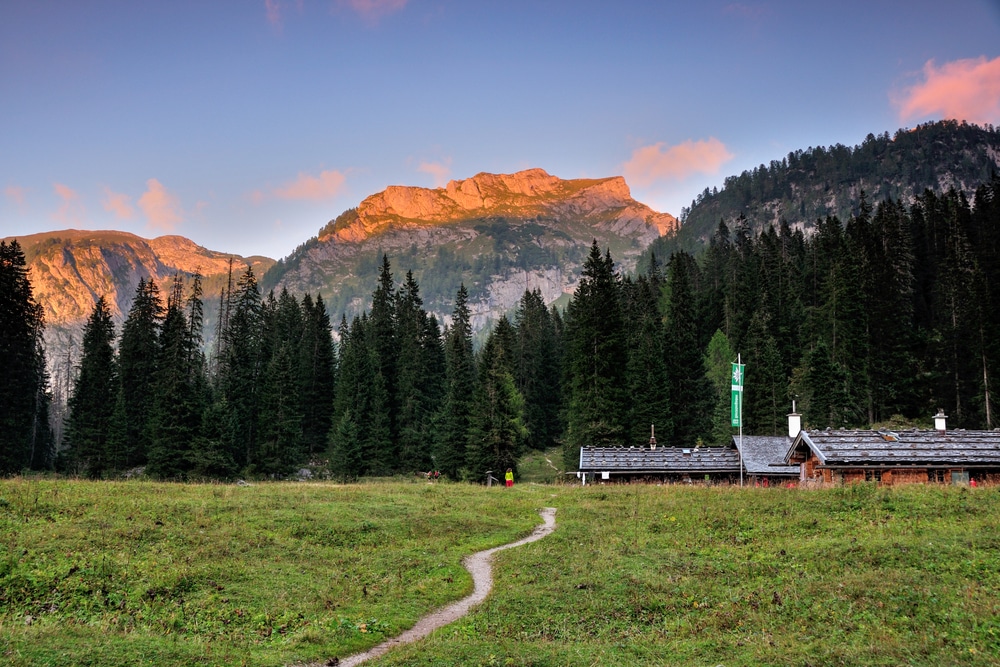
(873, 475)
(937, 476)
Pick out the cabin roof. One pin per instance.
(662, 460)
(840, 448)
(765, 455)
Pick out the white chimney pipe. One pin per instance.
(939, 421)
(794, 422)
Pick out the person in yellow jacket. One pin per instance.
(509, 477)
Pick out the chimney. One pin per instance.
(652, 436)
(939, 421)
(794, 422)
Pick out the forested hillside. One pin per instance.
(808, 185)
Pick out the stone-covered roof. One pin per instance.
(662, 460)
(839, 448)
(765, 455)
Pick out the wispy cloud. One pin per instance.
(16, 193)
(373, 10)
(325, 186)
(161, 207)
(961, 90)
(659, 162)
(439, 171)
(119, 204)
(71, 211)
(273, 9)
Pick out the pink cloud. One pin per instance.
(119, 204)
(439, 171)
(273, 9)
(961, 90)
(373, 10)
(71, 210)
(161, 207)
(326, 186)
(16, 193)
(659, 162)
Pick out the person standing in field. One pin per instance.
(509, 477)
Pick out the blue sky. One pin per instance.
(246, 126)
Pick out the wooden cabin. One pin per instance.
(659, 465)
(903, 457)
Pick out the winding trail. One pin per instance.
(480, 566)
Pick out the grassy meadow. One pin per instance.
(142, 573)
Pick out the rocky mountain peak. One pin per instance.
(524, 194)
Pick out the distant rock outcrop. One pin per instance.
(498, 233)
(525, 194)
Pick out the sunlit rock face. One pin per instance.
(534, 227)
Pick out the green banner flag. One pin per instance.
(736, 403)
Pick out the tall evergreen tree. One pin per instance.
(317, 375)
(460, 382)
(595, 360)
(137, 359)
(25, 436)
(688, 389)
(92, 403)
(719, 356)
(177, 404)
(497, 432)
(239, 371)
(537, 370)
(646, 367)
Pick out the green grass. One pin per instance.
(541, 467)
(141, 573)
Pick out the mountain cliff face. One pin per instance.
(498, 233)
(71, 269)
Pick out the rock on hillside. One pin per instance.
(499, 233)
(71, 269)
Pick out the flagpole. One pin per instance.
(739, 362)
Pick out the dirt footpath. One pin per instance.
(480, 566)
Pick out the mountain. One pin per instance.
(499, 233)
(70, 269)
(810, 184)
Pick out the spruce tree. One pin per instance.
(25, 436)
(239, 371)
(137, 359)
(719, 356)
(537, 370)
(646, 368)
(595, 361)
(92, 404)
(688, 389)
(177, 405)
(460, 382)
(497, 432)
(317, 375)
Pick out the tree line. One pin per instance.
(885, 317)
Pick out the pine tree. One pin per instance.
(137, 358)
(25, 436)
(688, 389)
(765, 385)
(417, 391)
(646, 367)
(460, 382)
(239, 371)
(177, 406)
(92, 403)
(537, 370)
(317, 375)
(497, 432)
(595, 360)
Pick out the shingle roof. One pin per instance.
(761, 451)
(904, 448)
(660, 460)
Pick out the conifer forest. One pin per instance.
(883, 317)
